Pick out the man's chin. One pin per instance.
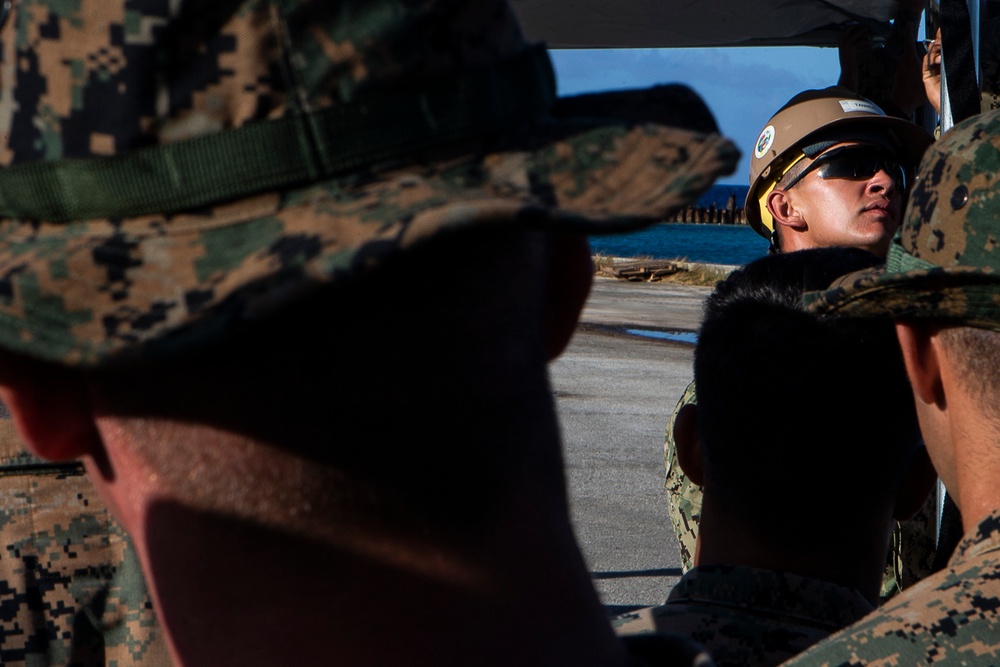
(879, 246)
(881, 231)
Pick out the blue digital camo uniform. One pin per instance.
(749, 616)
(944, 268)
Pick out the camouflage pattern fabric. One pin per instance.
(914, 548)
(683, 495)
(911, 554)
(142, 280)
(943, 263)
(949, 618)
(88, 77)
(749, 616)
(71, 591)
(84, 88)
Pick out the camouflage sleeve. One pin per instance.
(71, 591)
(950, 618)
(683, 495)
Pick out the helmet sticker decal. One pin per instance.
(764, 141)
(864, 106)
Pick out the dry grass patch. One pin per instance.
(698, 274)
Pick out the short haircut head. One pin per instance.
(799, 415)
(975, 353)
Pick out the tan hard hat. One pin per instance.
(811, 122)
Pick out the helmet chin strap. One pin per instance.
(773, 243)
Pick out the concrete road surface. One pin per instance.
(614, 393)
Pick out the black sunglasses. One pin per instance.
(854, 163)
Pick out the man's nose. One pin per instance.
(882, 181)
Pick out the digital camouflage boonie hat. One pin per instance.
(171, 168)
(944, 263)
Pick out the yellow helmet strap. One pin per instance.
(766, 219)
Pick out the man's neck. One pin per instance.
(963, 440)
(522, 597)
(855, 561)
(977, 467)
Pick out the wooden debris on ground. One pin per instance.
(641, 270)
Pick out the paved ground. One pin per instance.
(614, 395)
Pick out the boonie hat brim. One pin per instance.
(95, 291)
(958, 295)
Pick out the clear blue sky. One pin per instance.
(742, 86)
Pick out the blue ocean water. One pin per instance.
(713, 244)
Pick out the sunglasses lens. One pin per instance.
(860, 164)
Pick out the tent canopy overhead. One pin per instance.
(567, 24)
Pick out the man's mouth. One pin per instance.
(883, 206)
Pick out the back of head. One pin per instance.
(388, 437)
(791, 406)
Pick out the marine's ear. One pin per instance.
(920, 347)
(783, 210)
(50, 408)
(688, 442)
